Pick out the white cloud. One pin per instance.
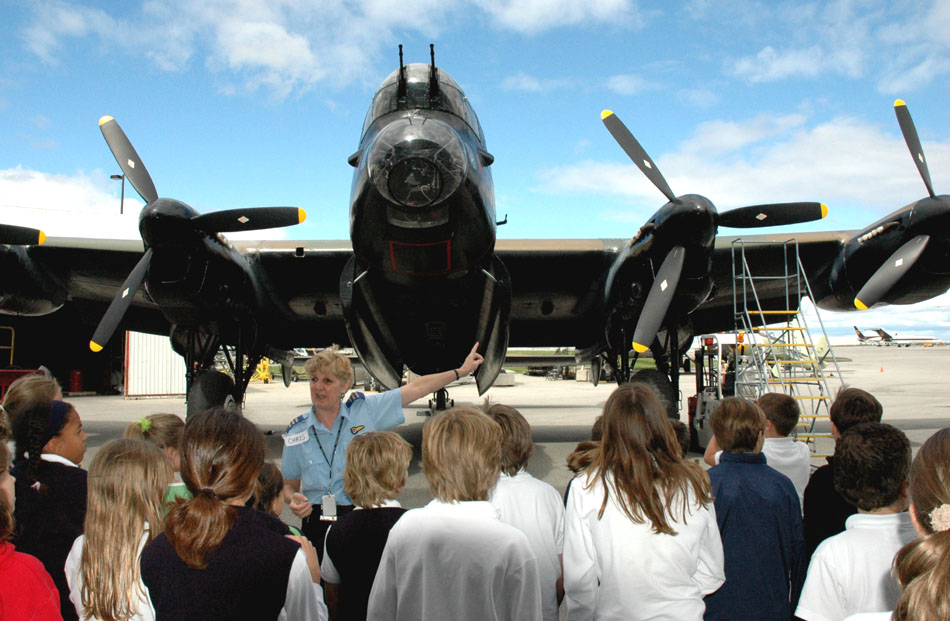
(628, 84)
(770, 65)
(768, 159)
(532, 16)
(291, 45)
(529, 84)
(84, 204)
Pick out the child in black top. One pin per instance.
(50, 487)
(377, 468)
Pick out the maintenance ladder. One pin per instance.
(779, 354)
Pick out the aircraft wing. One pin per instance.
(770, 257)
(557, 285)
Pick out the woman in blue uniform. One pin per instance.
(314, 455)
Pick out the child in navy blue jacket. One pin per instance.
(760, 521)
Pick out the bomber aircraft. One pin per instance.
(424, 276)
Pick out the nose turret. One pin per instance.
(416, 164)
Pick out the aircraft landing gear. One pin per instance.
(440, 402)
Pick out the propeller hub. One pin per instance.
(166, 222)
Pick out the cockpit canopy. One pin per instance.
(450, 97)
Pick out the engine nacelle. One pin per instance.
(25, 288)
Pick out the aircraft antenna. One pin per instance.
(401, 86)
(433, 76)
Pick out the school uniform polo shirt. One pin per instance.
(535, 508)
(851, 572)
(455, 561)
(310, 449)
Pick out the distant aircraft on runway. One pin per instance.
(865, 339)
(905, 341)
(887, 339)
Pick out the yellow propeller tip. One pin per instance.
(41, 239)
(105, 119)
(605, 114)
(301, 215)
(858, 304)
(899, 102)
(824, 210)
(94, 346)
(637, 347)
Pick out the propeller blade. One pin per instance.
(120, 304)
(658, 300)
(20, 235)
(250, 219)
(913, 143)
(890, 272)
(772, 215)
(129, 161)
(636, 153)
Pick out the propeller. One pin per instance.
(890, 272)
(664, 284)
(120, 303)
(913, 143)
(904, 257)
(227, 221)
(20, 235)
(128, 160)
(773, 214)
(658, 300)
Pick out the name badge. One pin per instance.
(295, 438)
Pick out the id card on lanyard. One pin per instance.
(328, 501)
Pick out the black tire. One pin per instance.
(660, 383)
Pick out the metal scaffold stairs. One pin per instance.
(778, 353)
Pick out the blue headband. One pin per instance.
(59, 410)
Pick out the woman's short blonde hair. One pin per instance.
(461, 454)
(331, 360)
(377, 467)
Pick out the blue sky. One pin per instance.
(259, 102)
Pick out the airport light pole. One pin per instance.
(122, 195)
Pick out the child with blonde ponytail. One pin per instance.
(127, 478)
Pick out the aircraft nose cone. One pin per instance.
(417, 163)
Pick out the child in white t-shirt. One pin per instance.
(851, 571)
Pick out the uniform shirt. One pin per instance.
(790, 457)
(851, 572)
(615, 568)
(535, 508)
(26, 589)
(309, 446)
(49, 524)
(824, 510)
(760, 522)
(456, 561)
(354, 545)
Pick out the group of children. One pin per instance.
(645, 533)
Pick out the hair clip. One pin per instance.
(37, 486)
(144, 424)
(940, 518)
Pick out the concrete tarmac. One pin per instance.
(909, 382)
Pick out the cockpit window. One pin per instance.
(450, 98)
